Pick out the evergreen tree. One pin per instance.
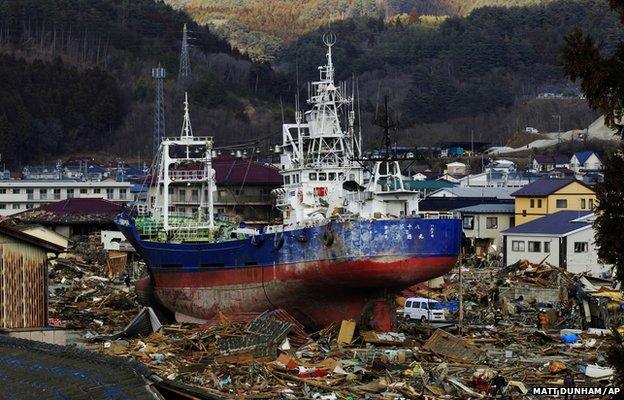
(602, 81)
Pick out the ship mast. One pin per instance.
(186, 160)
(318, 154)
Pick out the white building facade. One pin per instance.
(20, 195)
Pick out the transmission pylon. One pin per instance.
(159, 106)
(185, 64)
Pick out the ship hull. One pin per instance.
(319, 274)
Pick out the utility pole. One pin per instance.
(558, 117)
(461, 300)
(185, 64)
(159, 107)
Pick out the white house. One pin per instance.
(456, 168)
(564, 239)
(585, 161)
(483, 224)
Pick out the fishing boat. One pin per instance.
(348, 237)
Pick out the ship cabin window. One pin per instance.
(322, 176)
(312, 176)
(286, 179)
(332, 176)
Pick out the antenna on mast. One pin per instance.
(385, 123)
(185, 64)
(159, 107)
(187, 130)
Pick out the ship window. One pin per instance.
(322, 176)
(332, 176)
(312, 176)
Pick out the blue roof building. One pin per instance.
(564, 239)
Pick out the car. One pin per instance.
(423, 309)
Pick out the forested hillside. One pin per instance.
(262, 27)
(75, 77)
(486, 67)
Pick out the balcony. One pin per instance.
(195, 175)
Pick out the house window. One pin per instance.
(57, 194)
(30, 206)
(539, 203)
(546, 247)
(286, 179)
(70, 193)
(2, 191)
(194, 195)
(332, 176)
(562, 203)
(591, 204)
(30, 194)
(239, 192)
(322, 176)
(182, 195)
(491, 222)
(512, 222)
(580, 247)
(532, 203)
(43, 194)
(16, 206)
(535, 247)
(83, 191)
(16, 191)
(468, 222)
(517, 245)
(122, 194)
(109, 193)
(97, 190)
(312, 176)
(582, 204)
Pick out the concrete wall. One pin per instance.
(551, 257)
(584, 262)
(529, 292)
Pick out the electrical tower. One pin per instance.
(159, 106)
(185, 64)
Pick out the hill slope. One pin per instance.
(75, 77)
(262, 27)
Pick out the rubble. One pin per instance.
(269, 355)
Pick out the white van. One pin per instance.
(423, 309)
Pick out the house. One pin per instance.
(564, 239)
(483, 223)
(585, 161)
(456, 168)
(561, 172)
(546, 163)
(24, 275)
(504, 166)
(499, 179)
(425, 187)
(74, 216)
(448, 199)
(546, 196)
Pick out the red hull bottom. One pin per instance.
(316, 293)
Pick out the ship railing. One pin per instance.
(438, 215)
(359, 196)
(187, 175)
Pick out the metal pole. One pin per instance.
(461, 300)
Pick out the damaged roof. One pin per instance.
(72, 211)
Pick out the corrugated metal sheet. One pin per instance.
(23, 297)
